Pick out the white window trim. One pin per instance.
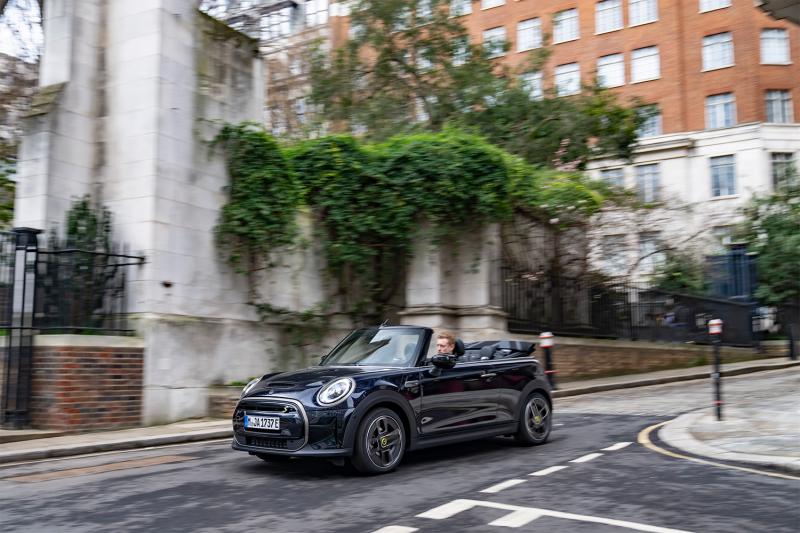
(733, 55)
(642, 23)
(624, 78)
(761, 48)
(541, 37)
(492, 7)
(622, 25)
(577, 24)
(658, 55)
(700, 10)
(503, 42)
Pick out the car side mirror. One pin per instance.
(444, 361)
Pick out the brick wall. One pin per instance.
(83, 388)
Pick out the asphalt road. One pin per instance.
(209, 487)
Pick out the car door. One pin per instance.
(511, 377)
(457, 399)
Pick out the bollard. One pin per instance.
(715, 330)
(546, 341)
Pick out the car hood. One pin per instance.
(307, 378)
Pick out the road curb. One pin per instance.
(579, 391)
(110, 446)
(676, 434)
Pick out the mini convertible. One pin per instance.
(377, 395)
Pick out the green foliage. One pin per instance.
(402, 69)
(401, 72)
(772, 229)
(681, 272)
(371, 200)
(263, 195)
(87, 228)
(7, 185)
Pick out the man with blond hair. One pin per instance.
(445, 342)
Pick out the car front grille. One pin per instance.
(293, 433)
(267, 443)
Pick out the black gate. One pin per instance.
(57, 290)
(580, 307)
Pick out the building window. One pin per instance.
(613, 176)
(460, 51)
(648, 178)
(779, 106)
(608, 16)
(276, 24)
(650, 256)
(568, 79)
(531, 83)
(494, 41)
(460, 7)
(529, 34)
(486, 4)
(316, 12)
(300, 110)
(720, 111)
(645, 64)
(424, 11)
(611, 70)
(710, 5)
(774, 47)
(651, 121)
(723, 176)
(424, 62)
(717, 51)
(642, 11)
(784, 171)
(615, 259)
(565, 26)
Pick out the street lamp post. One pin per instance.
(546, 341)
(715, 330)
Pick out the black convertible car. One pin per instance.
(377, 395)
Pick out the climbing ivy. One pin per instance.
(372, 200)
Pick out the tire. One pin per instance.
(535, 420)
(380, 442)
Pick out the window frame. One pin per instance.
(718, 189)
(635, 59)
(786, 103)
(731, 102)
(619, 62)
(575, 70)
(536, 31)
(491, 4)
(713, 44)
(714, 7)
(534, 80)
(787, 48)
(574, 22)
(598, 12)
(632, 3)
(653, 185)
(502, 51)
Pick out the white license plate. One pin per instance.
(262, 422)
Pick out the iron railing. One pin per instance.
(569, 306)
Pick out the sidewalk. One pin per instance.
(43, 444)
(759, 431)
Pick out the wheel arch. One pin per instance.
(534, 386)
(389, 400)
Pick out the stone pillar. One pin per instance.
(58, 152)
(456, 286)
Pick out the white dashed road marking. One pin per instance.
(520, 516)
(586, 458)
(504, 485)
(617, 446)
(548, 471)
(396, 529)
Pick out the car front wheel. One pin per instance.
(535, 420)
(380, 442)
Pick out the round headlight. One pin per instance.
(336, 391)
(252, 383)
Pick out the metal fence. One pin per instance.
(56, 290)
(580, 307)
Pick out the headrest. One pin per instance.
(487, 352)
(459, 347)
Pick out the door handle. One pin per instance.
(488, 375)
(411, 383)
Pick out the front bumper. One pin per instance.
(303, 433)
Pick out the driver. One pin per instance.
(445, 342)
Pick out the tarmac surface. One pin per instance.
(760, 428)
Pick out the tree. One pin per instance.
(772, 229)
(408, 66)
(21, 28)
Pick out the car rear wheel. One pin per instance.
(535, 420)
(380, 442)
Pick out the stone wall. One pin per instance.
(84, 383)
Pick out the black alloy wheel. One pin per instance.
(380, 442)
(536, 420)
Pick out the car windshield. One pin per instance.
(378, 347)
